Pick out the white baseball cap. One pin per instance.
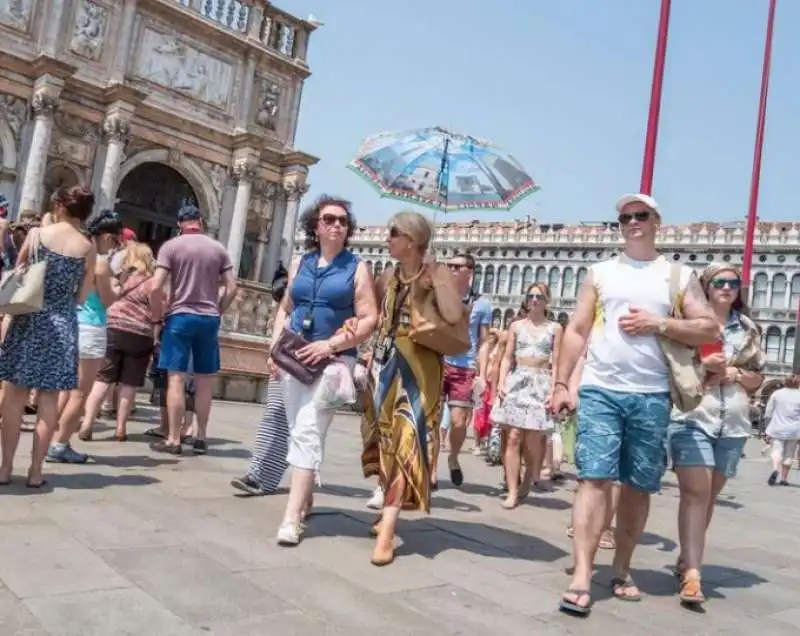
(646, 199)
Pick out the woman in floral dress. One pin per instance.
(524, 389)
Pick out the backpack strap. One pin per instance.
(674, 287)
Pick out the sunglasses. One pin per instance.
(537, 297)
(641, 216)
(334, 219)
(457, 267)
(723, 283)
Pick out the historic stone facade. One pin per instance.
(155, 102)
(512, 255)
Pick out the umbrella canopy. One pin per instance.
(442, 170)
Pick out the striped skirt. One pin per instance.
(272, 441)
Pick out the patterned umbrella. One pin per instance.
(442, 170)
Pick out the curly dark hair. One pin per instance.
(310, 218)
(107, 222)
(78, 201)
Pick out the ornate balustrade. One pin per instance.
(272, 28)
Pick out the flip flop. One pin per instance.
(155, 432)
(691, 593)
(39, 486)
(618, 584)
(572, 607)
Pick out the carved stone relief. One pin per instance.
(168, 61)
(14, 110)
(262, 197)
(71, 150)
(116, 129)
(16, 14)
(269, 95)
(89, 31)
(295, 190)
(217, 176)
(134, 146)
(44, 105)
(76, 127)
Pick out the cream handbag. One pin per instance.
(22, 289)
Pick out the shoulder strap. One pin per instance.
(674, 284)
(36, 241)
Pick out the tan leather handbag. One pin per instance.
(683, 362)
(22, 289)
(430, 330)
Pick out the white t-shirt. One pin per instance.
(783, 414)
(615, 360)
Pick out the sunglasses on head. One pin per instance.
(722, 283)
(333, 219)
(641, 216)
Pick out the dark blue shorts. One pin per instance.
(622, 437)
(190, 343)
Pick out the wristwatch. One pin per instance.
(662, 327)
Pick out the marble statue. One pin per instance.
(90, 26)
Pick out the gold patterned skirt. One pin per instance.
(400, 425)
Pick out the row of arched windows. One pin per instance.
(779, 348)
(515, 280)
(778, 295)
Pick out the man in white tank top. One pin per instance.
(624, 403)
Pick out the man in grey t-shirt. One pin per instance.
(194, 265)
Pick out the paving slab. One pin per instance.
(138, 543)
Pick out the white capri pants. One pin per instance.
(308, 424)
(784, 450)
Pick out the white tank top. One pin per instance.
(616, 361)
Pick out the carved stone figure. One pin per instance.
(44, 104)
(286, 40)
(16, 13)
(243, 170)
(268, 104)
(168, 61)
(89, 31)
(295, 190)
(116, 129)
(14, 110)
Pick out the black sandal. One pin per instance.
(573, 607)
(619, 584)
(163, 446)
(39, 486)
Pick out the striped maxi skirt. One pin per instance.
(272, 441)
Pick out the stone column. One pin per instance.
(43, 105)
(123, 42)
(245, 104)
(274, 245)
(265, 211)
(295, 189)
(243, 174)
(116, 130)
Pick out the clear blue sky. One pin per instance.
(563, 85)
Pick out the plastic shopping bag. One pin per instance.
(336, 387)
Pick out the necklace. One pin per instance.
(406, 281)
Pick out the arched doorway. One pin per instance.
(148, 199)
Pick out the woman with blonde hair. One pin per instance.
(524, 390)
(407, 378)
(134, 325)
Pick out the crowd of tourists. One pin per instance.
(655, 370)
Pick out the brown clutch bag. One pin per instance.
(284, 355)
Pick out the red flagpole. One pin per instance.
(752, 211)
(648, 164)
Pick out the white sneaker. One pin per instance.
(289, 533)
(376, 501)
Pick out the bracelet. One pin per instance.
(562, 384)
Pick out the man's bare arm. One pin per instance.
(699, 325)
(576, 333)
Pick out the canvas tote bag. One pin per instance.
(683, 363)
(22, 289)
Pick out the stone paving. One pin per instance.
(160, 546)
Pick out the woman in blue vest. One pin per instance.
(331, 304)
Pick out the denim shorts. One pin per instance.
(621, 437)
(190, 343)
(690, 445)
